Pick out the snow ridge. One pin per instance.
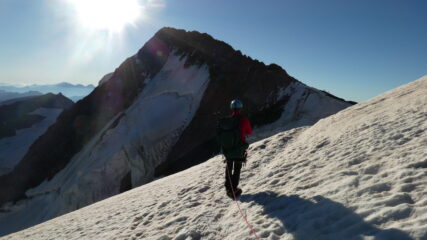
(358, 174)
(305, 106)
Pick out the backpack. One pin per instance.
(228, 137)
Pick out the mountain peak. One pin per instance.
(64, 84)
(154, 116)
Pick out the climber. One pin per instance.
(231, 135)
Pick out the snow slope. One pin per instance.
(358, 174)
(13, 149)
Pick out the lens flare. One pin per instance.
(111, 15)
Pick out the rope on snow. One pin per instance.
(238, 205)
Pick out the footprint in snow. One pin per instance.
(204, 189)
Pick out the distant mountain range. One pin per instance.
(5, 95)
(71, 91)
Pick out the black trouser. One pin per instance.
(232, 172)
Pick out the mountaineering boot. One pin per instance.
(237, 193)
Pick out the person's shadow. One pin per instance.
(320, 218)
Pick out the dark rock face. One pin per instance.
(232, 75)
(126, 183)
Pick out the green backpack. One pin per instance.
(228, 137)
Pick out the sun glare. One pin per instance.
(111, 15)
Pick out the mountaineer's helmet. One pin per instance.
(236, 104)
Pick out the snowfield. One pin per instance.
(358, 174)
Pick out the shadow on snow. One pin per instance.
(320, 218)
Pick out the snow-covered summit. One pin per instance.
(358, 174)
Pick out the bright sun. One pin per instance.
(111, 15)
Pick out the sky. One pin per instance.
(354, 49)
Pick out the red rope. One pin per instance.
(238, 205)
